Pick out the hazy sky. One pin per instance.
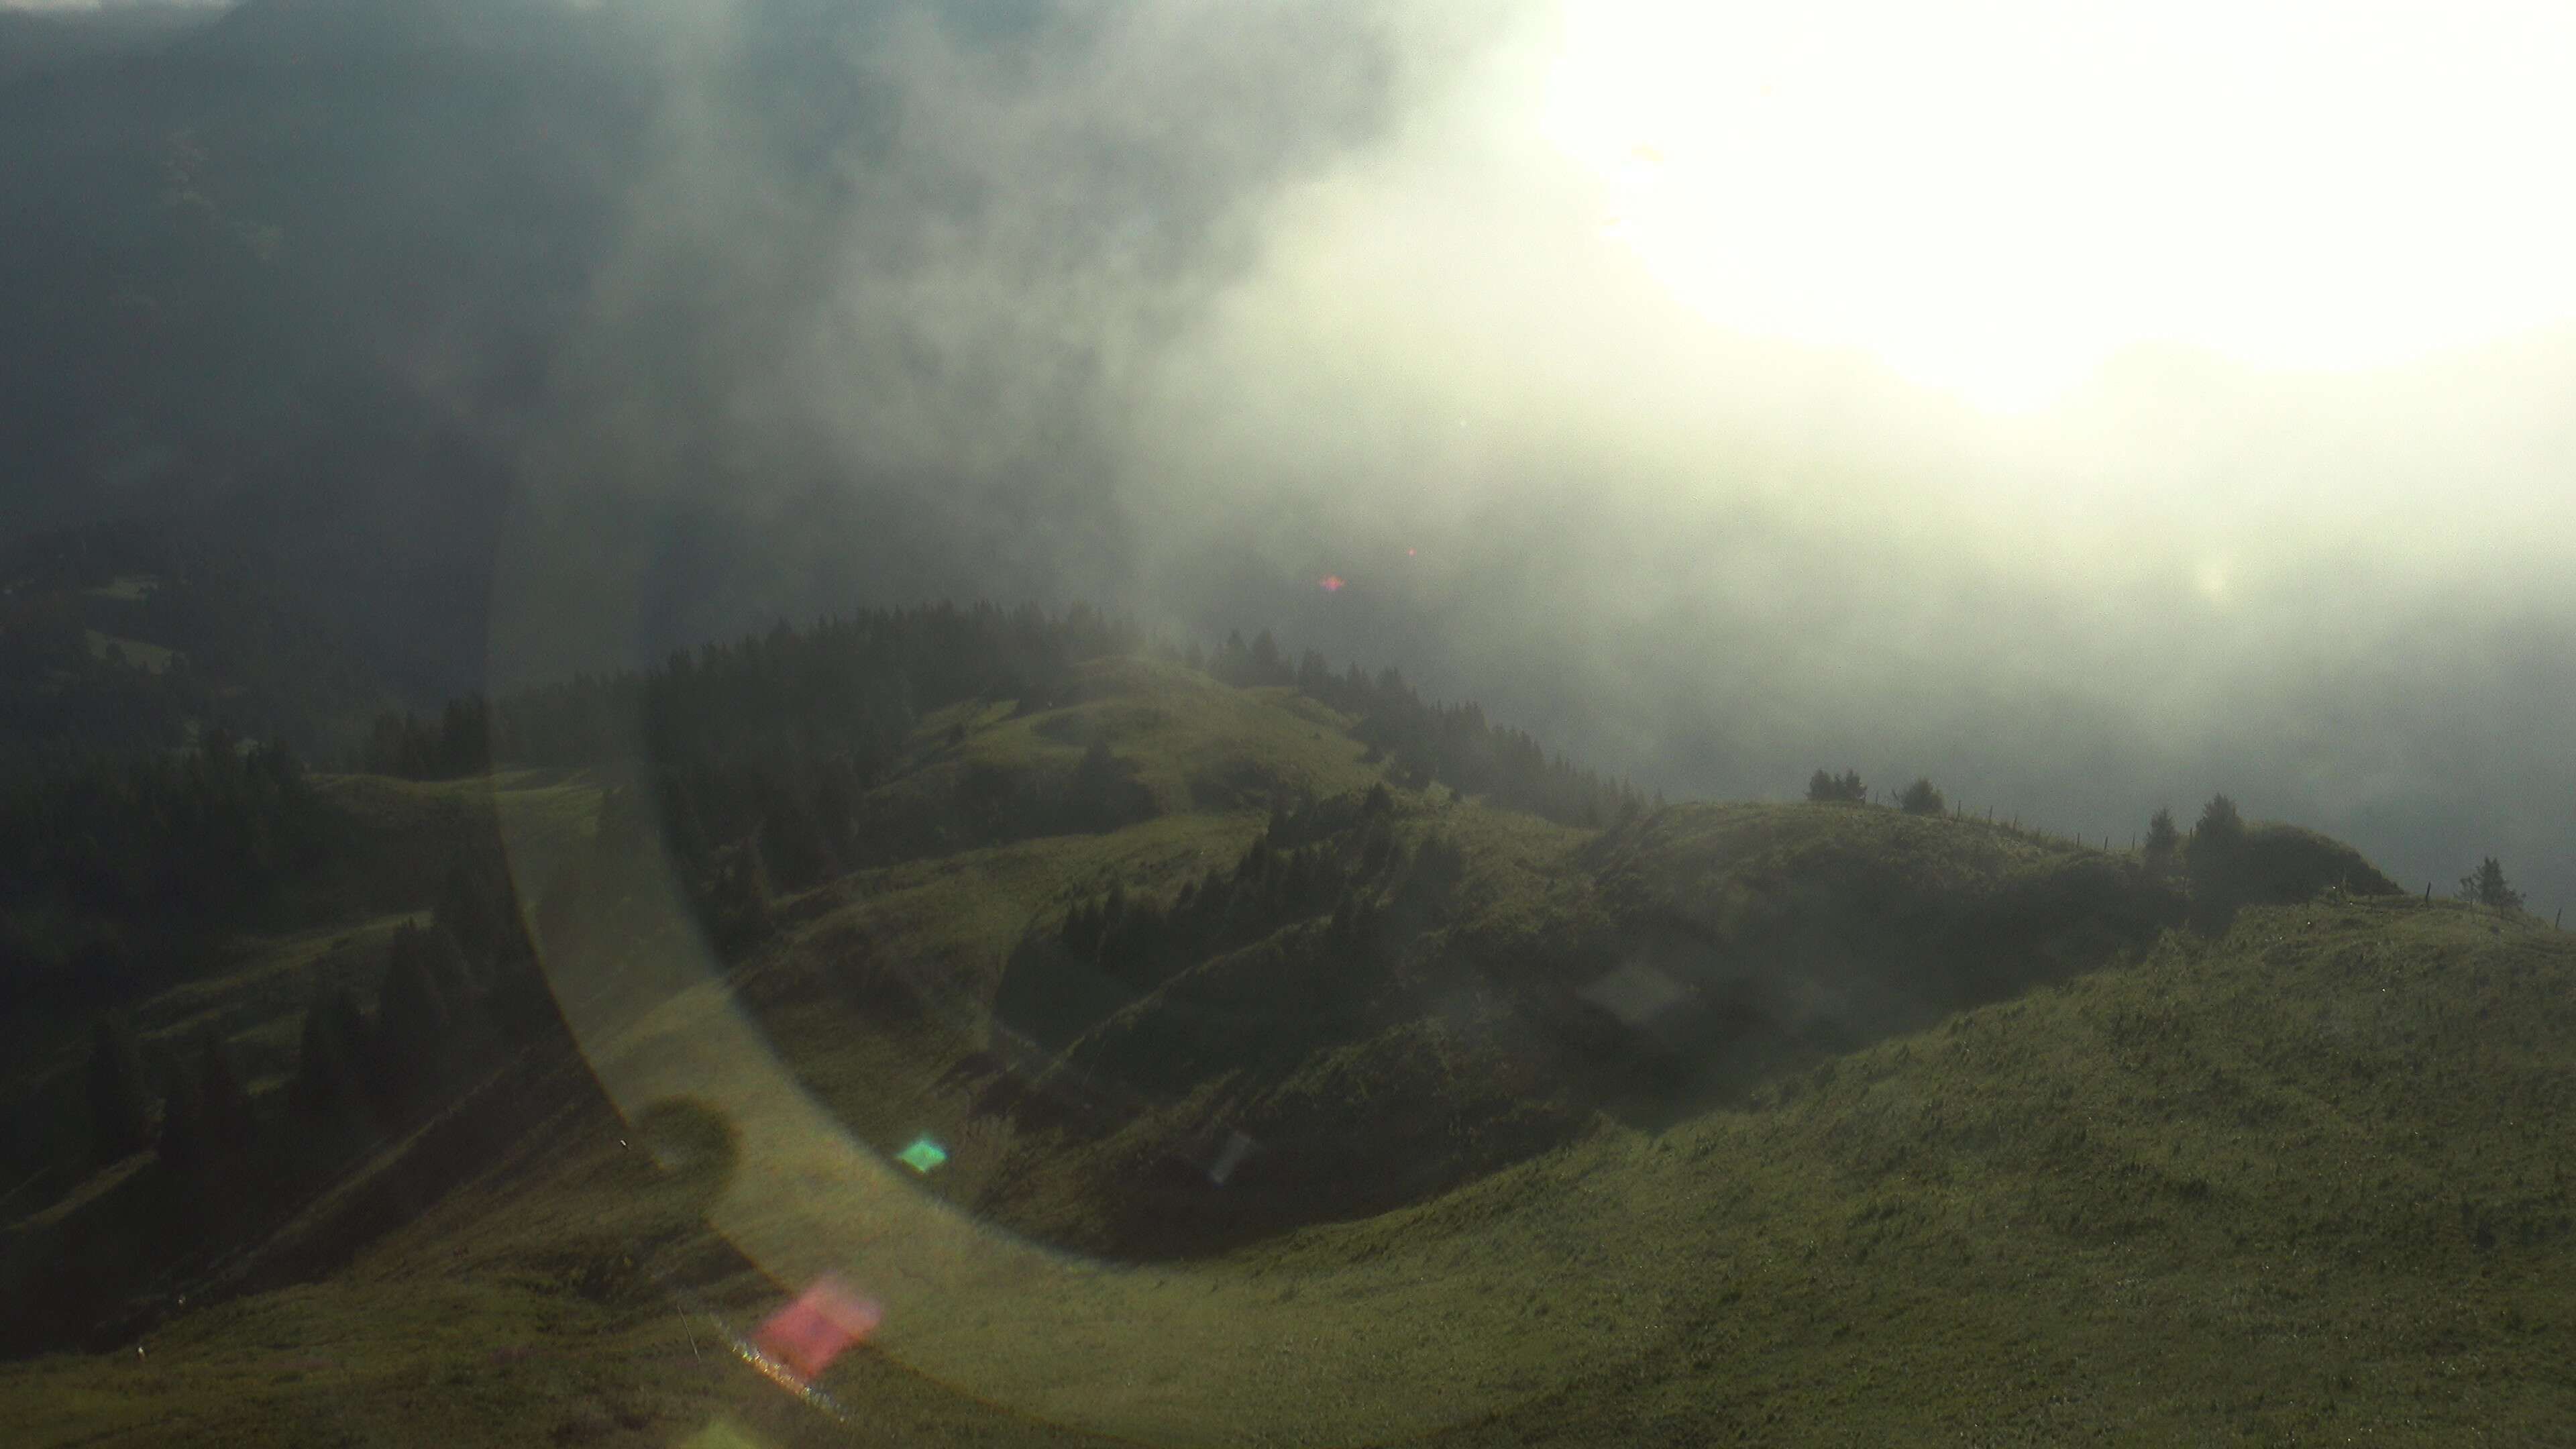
(2165, 399)
(80, 7)
(2089, 406)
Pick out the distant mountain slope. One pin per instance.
(288, 286)
(135, 635)
(346, 279)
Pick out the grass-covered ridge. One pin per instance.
(1755, 1121)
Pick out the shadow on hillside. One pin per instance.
(1681, 1016)
(1170, 1103)
(1361, 1080)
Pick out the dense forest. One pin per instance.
(115, 868)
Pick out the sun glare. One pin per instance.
(1995, 198)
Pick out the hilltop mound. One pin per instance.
(1123, 741)
(1827, 925)
(2288, 863)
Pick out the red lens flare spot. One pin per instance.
(806, 1335)
(1331, 583)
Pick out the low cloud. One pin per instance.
(1184, 308)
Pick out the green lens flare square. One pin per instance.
(922, 1155)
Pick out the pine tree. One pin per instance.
(1922, 798)
(1081, 931)
(327, 1097)
(1268, 667)
(792, 842)
(739, 902)
(120, 1104)
(2163, 840)
(2220, 825)
(465, 909)
(479, 909)
(413, 1021)
(1845, 787)
(1233, 663)
(1314, 676)
(2216, 858)
(185, 1146)
(2486, 886)
(224, 1106)
(448, 969)
(321, 1080)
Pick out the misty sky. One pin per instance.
(2089, 412)
(2090, 407)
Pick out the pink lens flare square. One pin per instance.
(1330, 583)
(810, 1332)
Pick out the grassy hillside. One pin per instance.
(1728, 1123)
(393, 842)
(2288, 1186)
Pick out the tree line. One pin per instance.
(446, 1006)
(1332, 882)
(1426, 743)
(753, 756)
(112, 865)
(2224, 865)
(454, 995)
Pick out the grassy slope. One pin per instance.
(399, 837)
(404, 833)
(2302, 1183)
(938, 930)
(2295, 1185)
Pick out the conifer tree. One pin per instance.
(792, 842)
(1268, 667)
(2221, 826)
(2486, 886)
(1846, 786)
(2216, 860)
(120, 1104)
(448, 969)
(413, 1020)
(2163, 840)
(223, 1105)
(740, 899)
(1233, 663)
(327, 1097)
(1314, 676)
